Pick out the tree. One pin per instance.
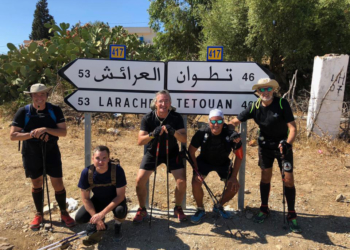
(41, 16)
(178, 25)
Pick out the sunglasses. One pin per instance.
(216, 121)
(269, 89)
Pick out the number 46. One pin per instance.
(251, 77)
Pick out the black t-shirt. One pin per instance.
(272, 120)
(103, 194)
(215, 149)
(150, 122)
(37, 121)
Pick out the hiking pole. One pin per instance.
(43, 151)
(285, 165)
(167, 174)
(154, 182)
(65, 241)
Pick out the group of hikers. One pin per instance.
(40, 124)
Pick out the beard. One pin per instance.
(266, 99)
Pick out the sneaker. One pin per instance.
(293, 224)
(179, 213)
(261, 216)
(118, 235)
(224, 214)
(38, 219)
(141, 215)
(198, 216)
(65, 217)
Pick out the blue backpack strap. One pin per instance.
(27, 116)
(50, 109)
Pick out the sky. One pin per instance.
(17, 15)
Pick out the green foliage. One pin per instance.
(41, 16)
(24, 66)
(177, 24)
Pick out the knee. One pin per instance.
(140, 182)
(181, 183)
(196, 184)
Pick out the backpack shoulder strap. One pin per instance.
(27, 116)
(281, 103)
(113, 174)
(50, 109)
(91, 175)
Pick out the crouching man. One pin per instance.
(108, 183)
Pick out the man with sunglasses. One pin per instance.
(35, 122)
(216, 143)
(277, 133)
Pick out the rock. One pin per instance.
(128, 199)
(102, 130)
(339, 198)
(279, 247)
(3, 239)
(113, 131)
(52, 207)
(247, 191)
(6, 246)
(72, 204)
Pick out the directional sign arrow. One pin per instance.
(225, 77)
(110, 101)
(114, 75)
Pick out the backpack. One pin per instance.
(258, 102)
(91, 176)
(29, 115)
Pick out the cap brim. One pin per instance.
(49, 89)
(270, 84)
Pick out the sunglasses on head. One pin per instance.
(216, 121)
(268, 89)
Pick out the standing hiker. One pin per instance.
(107, 182)
(32, 124)
(154, 127)
(216, 143)
(277, 134)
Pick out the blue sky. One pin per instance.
(17, 15)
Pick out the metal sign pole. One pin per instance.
(87, 124)
(241, 179)
(184, 145)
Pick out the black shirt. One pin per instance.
(215, 149)
(107, 193)
(272, 120)
(150, 122)
(35, 121)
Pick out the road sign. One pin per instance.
(117, 52)
(110, 101)
(215, 53)
(224, 77)
(201, 104)
(116, 75)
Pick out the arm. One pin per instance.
(233, 178)
(98, 218)
(233, 123)
(17, 135)
(292, 132)
(181, 135)
(143, 138)
(60, 131)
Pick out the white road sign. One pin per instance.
(233, 77)
(115, 75)
(201, 104)
(110, 101)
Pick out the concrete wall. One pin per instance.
(147, 33)
(327, 94)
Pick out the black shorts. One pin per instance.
(148, 162)
(83, 216)
(267, 157)
(33, 162)
(204, 169)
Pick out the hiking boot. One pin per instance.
(261, 216)
(118, 235)
(224, 214)
(38, 219)
(93, 238)
(141, 215)
(65, 218)
(198, 216)
(179, 213)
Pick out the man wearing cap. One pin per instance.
(32, 124)
(154, 127)
(277, 134)
(216, 142)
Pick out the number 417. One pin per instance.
(118, 52)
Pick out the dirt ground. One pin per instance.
(322, 172)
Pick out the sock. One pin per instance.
(264, 194)
(177, 205)
(37, 194)
(290, 197)
(61, 199)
